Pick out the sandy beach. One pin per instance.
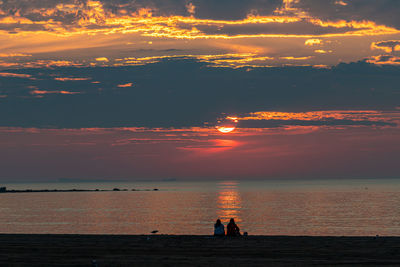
(169, 250)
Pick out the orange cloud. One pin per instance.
(42, 92)
(94, 25)
(40, 64)
(321, 66)
(65, 79)
(102, 59)
(353, 115)
(14, 55)
(17, 20)
(125, 85)
(16, 75)
(312, 42)
(321, 51)
(340, 3)
(296, 58)
(191, 9)
(389, 46)
(384, 60)
(180, 27)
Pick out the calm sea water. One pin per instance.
(346, 207)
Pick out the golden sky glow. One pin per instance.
(260, 40)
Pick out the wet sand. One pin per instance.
(169, 250)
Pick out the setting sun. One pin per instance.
(227, 124)
(225, 129)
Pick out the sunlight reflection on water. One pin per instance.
(229, 202)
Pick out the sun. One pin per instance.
(226, 129)
(227, 124)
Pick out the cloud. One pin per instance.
(312, 42)
(341, 3)
(76, 33)
(280, 123)
(382, 11)
(70, 12)
(185, 92)
(321, 51)
(14, 75)
(388, 46)
(102, 59)
(296, 58)
(125, 85)
(40, 63)
(234, 9)
(191, 9)
(232, 60)
(64, 79)
(271, 119)
(63, 92)
(182, 20)
(14, 55)
(384, 60)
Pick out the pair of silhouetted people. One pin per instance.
(231, 229)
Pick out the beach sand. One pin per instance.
(169, 250)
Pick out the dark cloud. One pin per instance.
(295, 28)
(234, 9)
(72, 14)
(159, 7)
(388, 43)
(212, 9)
(35, 10)
(381, 11)
(21, 27)
(184, 93)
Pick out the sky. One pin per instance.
(202, 89)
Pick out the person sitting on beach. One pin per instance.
(232, 229)
(219, 229)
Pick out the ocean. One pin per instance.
(290, 207)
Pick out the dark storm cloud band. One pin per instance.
(157, 94)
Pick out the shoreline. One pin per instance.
(183, 250)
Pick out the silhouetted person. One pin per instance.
(219, 229)
(232, 229)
